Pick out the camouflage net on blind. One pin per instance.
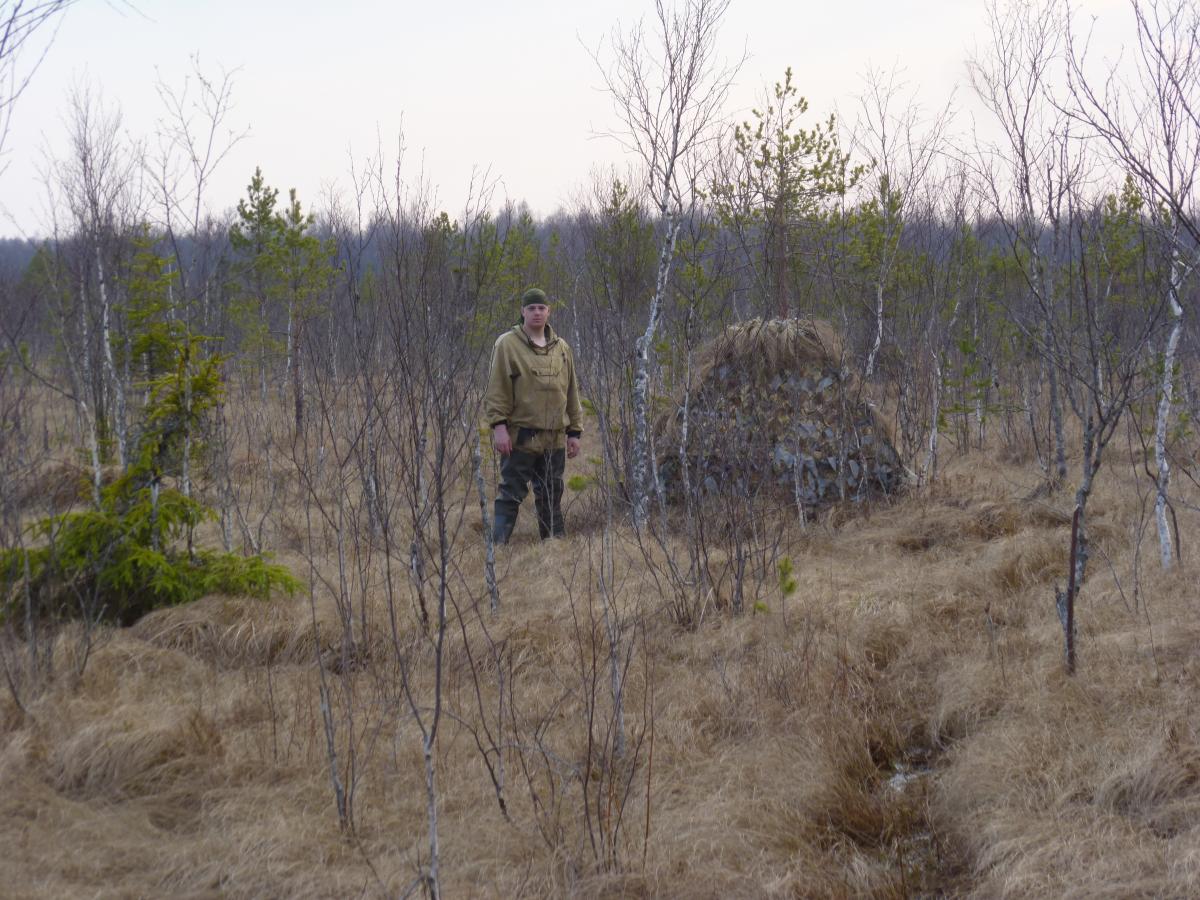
(773, 407)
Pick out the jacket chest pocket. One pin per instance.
(546, 372)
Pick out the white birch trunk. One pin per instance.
(930, 473)
(432, 812)
(87, 416)
(110, 365)
(641, 380)
(870, 369)
(1162, 419)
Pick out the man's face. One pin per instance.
(536, 315)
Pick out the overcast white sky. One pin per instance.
(507, 87)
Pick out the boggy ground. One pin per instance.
(901, 725)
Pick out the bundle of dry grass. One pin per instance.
(771, 403)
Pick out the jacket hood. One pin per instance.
(551, 336)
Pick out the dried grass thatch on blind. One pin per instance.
(773, 404)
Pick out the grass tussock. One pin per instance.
(229, 632)
(899, 725)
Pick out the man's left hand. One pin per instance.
(572, 447)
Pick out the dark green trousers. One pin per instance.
(518, 471)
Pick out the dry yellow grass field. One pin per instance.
(901, 725)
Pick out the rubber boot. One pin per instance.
(502, 527)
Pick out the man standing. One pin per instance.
(532, 404)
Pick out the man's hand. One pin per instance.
(572, 447)
(501, 441)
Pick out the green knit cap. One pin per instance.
(533, 295)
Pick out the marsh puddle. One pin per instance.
(908, 773)
(915, 851)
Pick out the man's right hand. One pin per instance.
(501, 441)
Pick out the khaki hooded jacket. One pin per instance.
(533, 389)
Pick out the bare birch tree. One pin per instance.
(1149, 119)
(1024, 178)
(100, 182)
(667, 88)
(193, 139)
(901, 150)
